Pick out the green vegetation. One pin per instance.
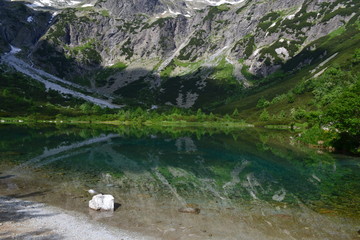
(171, 117)
(157, 23)
(224, 72)
(166, 72)
(342, 11)
(127, 50)
(333, 110)
(294, 97)
(21, 96)
(215, 10)
(326, 105)
(247, 43)
(101, 76)
(241, 9)
(86, 53)
(105, 13)
(268, 20)
(39, 103)
(195, 42)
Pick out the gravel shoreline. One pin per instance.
(21, 219)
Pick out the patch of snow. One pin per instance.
(218, 3)
(281, 40)
(30, 19)
(14, 50)
(154, 107)
(272, 25)
(292, 16)
(46, 2)
(174, 13)
(74, 2)
(53, 16)
(34, 4)
(88, 5)
(256, 52)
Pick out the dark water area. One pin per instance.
(249, 183)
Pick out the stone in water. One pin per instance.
(102, 202)
(189, 210)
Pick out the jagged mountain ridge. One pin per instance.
(207, 51)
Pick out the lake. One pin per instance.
(248, 183)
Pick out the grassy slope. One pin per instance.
(343, 44)
(23, 96)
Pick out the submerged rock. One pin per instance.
(189, 210)
(92, 191)
(102, 202)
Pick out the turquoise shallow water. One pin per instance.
(250, 183)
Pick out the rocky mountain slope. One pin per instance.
(183, 53)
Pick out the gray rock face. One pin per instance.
(20, 26)
(160, 39)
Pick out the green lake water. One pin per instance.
(248, 184)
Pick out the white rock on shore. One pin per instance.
(102, 202)
(31, 220)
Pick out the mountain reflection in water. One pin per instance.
(237, 179)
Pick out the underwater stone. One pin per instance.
(189, 210)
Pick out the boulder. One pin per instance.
(102, 202)
(189, 210)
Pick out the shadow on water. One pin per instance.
(28, 195)
(7, 176)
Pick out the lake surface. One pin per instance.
(248, 184)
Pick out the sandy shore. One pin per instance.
(30, 220)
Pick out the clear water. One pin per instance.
(248, 184)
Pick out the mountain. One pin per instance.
(199, 53)
(274, 62)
